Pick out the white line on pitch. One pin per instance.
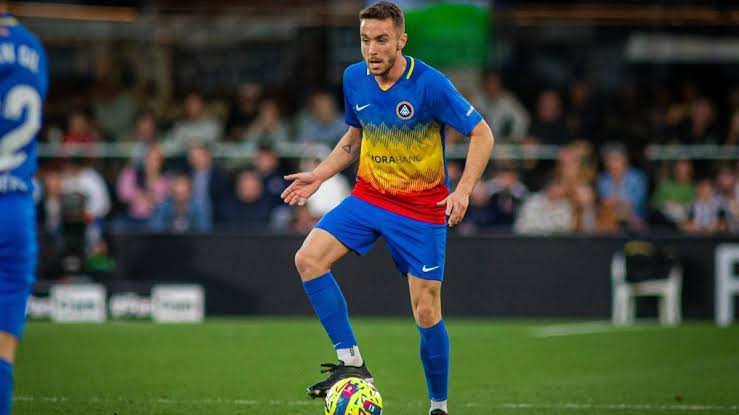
(583, 328)
(277, 402)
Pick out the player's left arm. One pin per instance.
(478, 155)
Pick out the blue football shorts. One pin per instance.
(417, 247)
(17, 260)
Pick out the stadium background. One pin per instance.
(258, 85)
(207, 104)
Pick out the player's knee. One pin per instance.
(308, 265)
(302, 261)
(427, 315)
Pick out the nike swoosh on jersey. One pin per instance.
(424, 269)
(358, 108)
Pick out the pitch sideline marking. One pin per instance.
(277, 402)
(585, 328)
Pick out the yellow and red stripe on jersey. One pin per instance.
(401, 169)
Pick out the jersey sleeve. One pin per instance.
(349, 115)
(450, 107)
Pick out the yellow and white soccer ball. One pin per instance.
(353, 396)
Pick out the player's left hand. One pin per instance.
(456, 206)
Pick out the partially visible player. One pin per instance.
(397, 108)
(23, 85)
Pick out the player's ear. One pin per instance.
(402, 41)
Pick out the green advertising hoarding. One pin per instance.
(448, 34)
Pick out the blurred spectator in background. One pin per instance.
(323, 123)
(626, 120)
(609, 217)
(726, 192)
(329, 195)
(243, 110)
(82, 184)
(549, 126)
(49, 209)
(454, 173)
(679, 109)
(143, 137)
(142, 188)
(50, 220)
(302, 222)
(197, 126)
(624, 186)
(249, 206)
(584, 208)
(573, 168)
(546, 212)
(153, 98)
(706, 215)
(534, 172)
(733, 135)
(479, 214)
(79, 129)
(267, 164)
(507, 194)
(210, 186)
(64, 232)
(114, 110)
(673, 195)
(582, 113)
(700, 125)
(79, 177)
(508, 119)
(268, 127)
(180, 212)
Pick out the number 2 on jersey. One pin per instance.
(18, 99)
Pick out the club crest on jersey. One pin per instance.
(404, 110)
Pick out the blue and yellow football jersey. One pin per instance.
(402, 165)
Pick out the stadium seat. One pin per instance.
(727, 282)
(667, 288)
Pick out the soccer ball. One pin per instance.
(353, 396)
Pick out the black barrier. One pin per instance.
(496, 276)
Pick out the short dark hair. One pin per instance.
(384, 10)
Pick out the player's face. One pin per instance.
(381, 44)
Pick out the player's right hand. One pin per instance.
(302, 187)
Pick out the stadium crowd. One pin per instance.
(600, 183)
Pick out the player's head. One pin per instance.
(382, 31)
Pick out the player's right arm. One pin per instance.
(306, 183)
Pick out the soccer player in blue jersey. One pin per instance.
(23, 84)
(397, 108)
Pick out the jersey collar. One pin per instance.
(407, 73)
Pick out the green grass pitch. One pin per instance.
(262, 365)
